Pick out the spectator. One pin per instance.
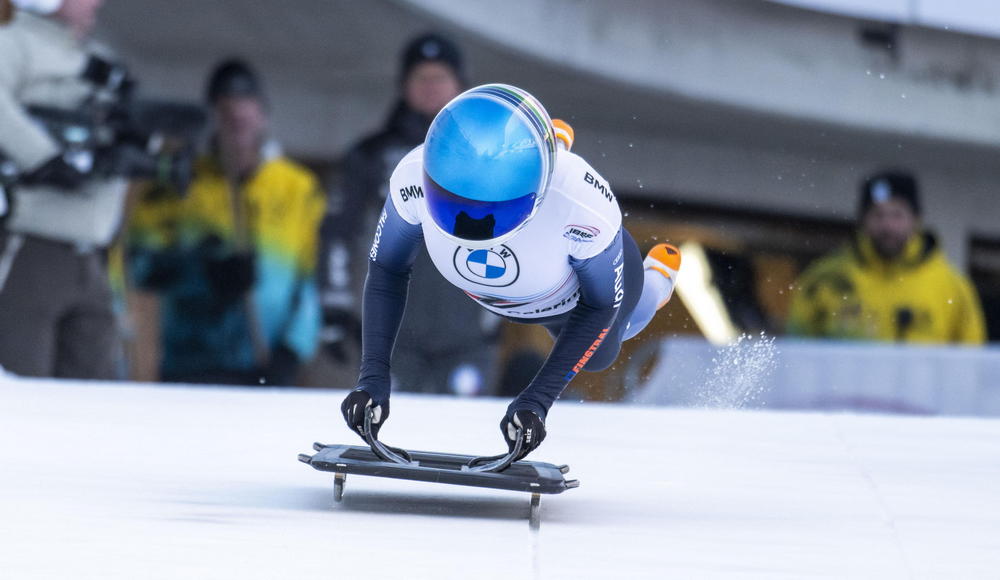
(233, 260)
(449, 349)
(892, 282)
(56, 315)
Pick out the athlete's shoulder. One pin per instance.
(406, 186)
(590, 209)
(580, 185)
(411, 162)
(579, 181)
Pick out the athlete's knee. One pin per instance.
(603, 357)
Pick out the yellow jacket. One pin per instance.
(855, 294)
(171, 238)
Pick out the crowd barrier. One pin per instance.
(762, 372)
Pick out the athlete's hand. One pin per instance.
(532, 427)
(355, 407)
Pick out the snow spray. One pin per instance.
(739, 373)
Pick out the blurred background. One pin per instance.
(740, 130)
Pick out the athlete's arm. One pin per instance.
(601, 292)
(391, 257)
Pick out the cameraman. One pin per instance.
(56, 316)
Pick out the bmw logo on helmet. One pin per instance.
(488, 159)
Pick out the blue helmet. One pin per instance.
(488, 158)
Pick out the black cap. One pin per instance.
(233, 78)
(886, 185)
(431, 48)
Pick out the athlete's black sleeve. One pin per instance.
(391, 257)
(601, 292)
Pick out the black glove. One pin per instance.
(56, 173)
(282, 368)
(231, 276)
(532, 426)
(356, 405)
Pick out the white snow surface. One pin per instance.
(103, 480)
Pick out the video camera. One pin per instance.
(115, 134)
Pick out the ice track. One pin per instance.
(118, 481)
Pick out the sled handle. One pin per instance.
(497, 462)
(493, 463)
(383, 451)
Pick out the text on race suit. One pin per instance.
(604, 189)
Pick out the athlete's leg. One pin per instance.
(648, 285)
(659, 277)
(606, 354)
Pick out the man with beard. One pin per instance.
(892, 282)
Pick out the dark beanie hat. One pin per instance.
(885, 185)
(431, 48)
(233, 78)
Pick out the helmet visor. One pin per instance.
(474, 220)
